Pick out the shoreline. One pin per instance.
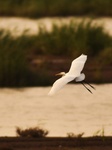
(56, 143)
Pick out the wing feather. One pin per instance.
(58, 84)
(77, 65)
(75, 70)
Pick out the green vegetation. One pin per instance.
(13, 67)
(42, 8)
(17, 54)
(72, 135)
(35, 132)
(69, 40)
(15, 70)
(100, 133)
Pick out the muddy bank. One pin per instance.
(52, 143)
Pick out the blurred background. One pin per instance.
(39, 38)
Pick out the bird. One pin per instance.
(74, 73)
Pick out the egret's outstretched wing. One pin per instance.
(77, 65)
(58, 84)
(74, 72)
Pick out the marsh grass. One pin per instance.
(42, 8)
(100, 133)
(68, 40)
(72, 39)
(13, 65)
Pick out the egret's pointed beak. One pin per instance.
(58, 74)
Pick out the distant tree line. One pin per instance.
(43, 8)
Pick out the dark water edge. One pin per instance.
(56, 143)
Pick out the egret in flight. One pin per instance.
(73, 74)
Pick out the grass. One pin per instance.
(42, 8)
(16, 54)
(72, 135)
(13, 66)
(72, 39)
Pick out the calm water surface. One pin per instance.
(73, 109)
(17, 26)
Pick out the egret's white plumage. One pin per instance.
(73, 74)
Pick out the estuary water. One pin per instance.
(72, 109)
(17, 26)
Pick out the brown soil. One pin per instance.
(52, 143)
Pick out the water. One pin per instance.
(16, 26)
(73, 109)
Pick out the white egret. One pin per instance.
(73, 74)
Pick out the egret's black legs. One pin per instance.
(86, 87)
(90, 85)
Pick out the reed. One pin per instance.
(73, 39)
(13, 68)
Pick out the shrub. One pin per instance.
(35, 132)
(72, 135)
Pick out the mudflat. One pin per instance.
(56, 143)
